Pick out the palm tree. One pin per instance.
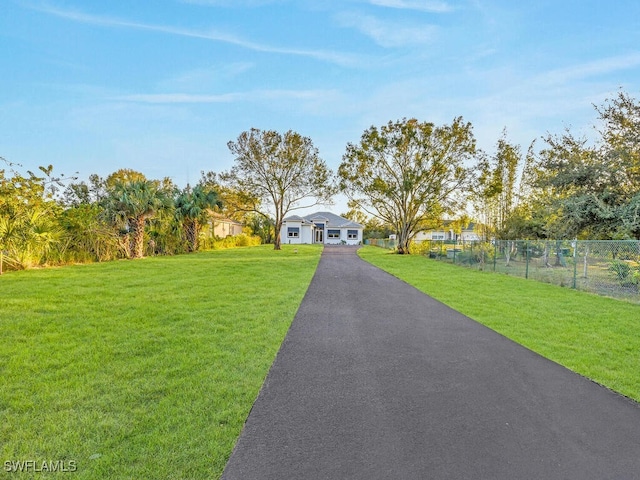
(131, 204)
(192, 206)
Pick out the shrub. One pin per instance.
(625, 273)
(241, 240)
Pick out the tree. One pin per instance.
(130, 204)
(28, 229)
(354, 214)
(82, 193)
(260, 226)
(621, 141)
(241, 206)
(408, 173)
(87, 235)
(588, 191)
(192, 209)
(496, 195)
(284, 172)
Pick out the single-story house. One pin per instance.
(321, 227)
(222, 227)
(446, 233)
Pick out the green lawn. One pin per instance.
(595, 336)
(142, 369)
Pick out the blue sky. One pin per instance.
(161, 86)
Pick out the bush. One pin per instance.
(421, 248)
(625, 273)
(241, 240)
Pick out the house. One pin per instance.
(222, 227)
(321, 227)
(446, 233)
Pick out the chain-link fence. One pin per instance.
(381, 242)
(610, 268)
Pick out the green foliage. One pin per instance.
(87, 237)
(419, 248)
(407, 173)
(130, 205)
(231, 242)
(587, 191)
(28, 230)
(192, 208)
(496, 193)
(261, 226)
(625, 273)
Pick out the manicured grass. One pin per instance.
(142, 369)
(594, 336)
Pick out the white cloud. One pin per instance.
(594, 68)
(257, 95)
(178, 98)
(389, 34)
(213, 35)
(232, 3)
(421, 5)
(204, 78)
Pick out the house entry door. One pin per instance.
(319, 236)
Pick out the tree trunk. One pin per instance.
(126, 244)
(403, 247)
(138, 237)
(276, 242)
(196, 236)
(192, 233)
(403, 240)
(545, 255)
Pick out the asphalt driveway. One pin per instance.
(376, 380)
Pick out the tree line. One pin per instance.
(403, 177)
(48, 219)
(407, 176)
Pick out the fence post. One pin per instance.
(586, 257)
(495, 253)
(575, 263)
(526, 249)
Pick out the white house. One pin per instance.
(223, 227)
(320, 227)
(446, 233)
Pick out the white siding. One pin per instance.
(284, 233)
(344, 236)
(306, 234)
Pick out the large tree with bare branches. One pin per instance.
(284, 171)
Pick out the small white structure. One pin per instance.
(321, 227)
(446, 233)
(223, 227)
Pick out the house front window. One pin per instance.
(293, 232)
(334, 234)
(352, 234)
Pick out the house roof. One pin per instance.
(216, 217)
(332, 220)
(294, 218)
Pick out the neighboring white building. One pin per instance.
(222, 227)
(321, 227)
(446, 233)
